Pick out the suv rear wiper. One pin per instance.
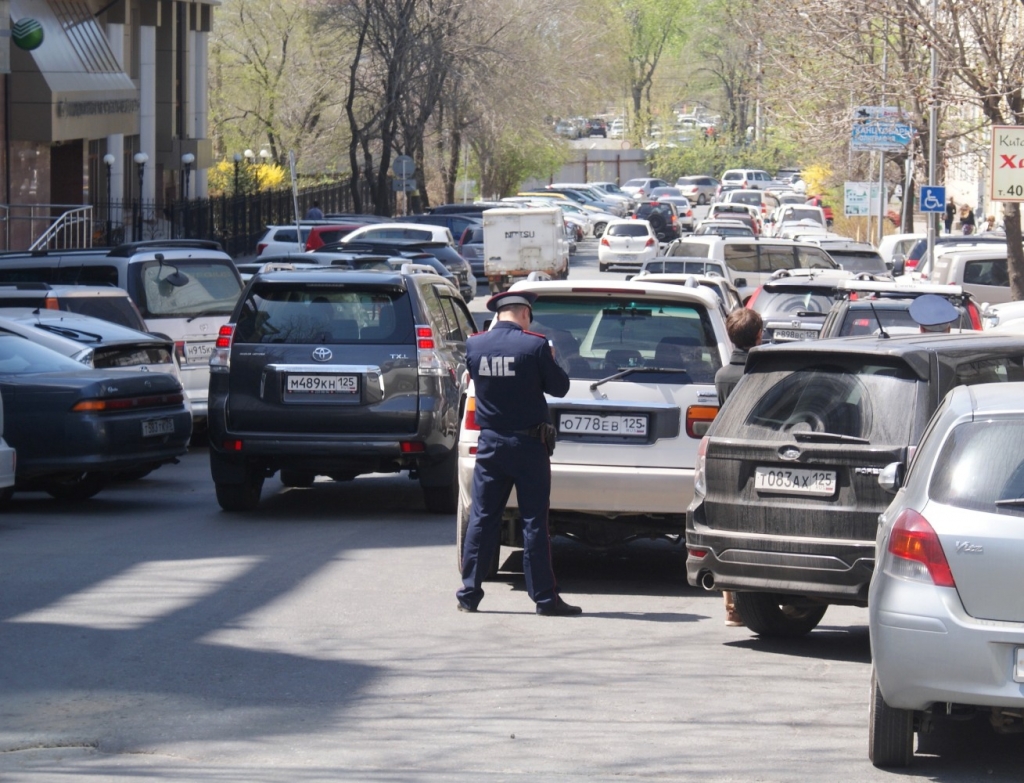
(217, 311)
(631, 370)
(1010, 502)
(71, 332)
(828, 437)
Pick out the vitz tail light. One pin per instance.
(916, 552)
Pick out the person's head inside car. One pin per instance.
(744, 327)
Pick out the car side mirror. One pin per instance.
(891, 477)
(899, 266)
(740, 282)
(629, 277)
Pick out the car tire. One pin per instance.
(602, 267)
(300, 479)
(5, 496)
(778, 616)
(444, 498)
(240, 497)
(76, 487)
(461, 526)
(599, 230)
(890, 731)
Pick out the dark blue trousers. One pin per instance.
(504, 461)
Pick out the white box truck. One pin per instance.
(518, 242)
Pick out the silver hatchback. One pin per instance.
(946, 603)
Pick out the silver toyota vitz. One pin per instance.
(946, 603)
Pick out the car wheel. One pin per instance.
(701, 200)
(444, 499)
(78, 486)
(599, 230)
(890, 731)
(297, 478)
(5, 496)
(240, 497)
(461, 526)
(778, 616)
(602, 267)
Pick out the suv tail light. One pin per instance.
(753, 298)
(471, 414)
(972, 311)
(261, 247)
(916, 551)
(220, 359)
(700, 484)
(51, 303)
(699, 418)
(428, 361)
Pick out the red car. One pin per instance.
(325, 235)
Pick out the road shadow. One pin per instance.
(826, 643)
(956, 751)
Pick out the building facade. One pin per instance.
(110, 109)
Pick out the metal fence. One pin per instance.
(237, 222)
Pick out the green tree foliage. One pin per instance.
(509, 159)
(714, 157)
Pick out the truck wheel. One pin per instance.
(890, 731)
(778, 616)
(461, 525)
(240, 497)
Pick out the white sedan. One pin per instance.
(626, 243)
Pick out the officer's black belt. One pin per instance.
(532, 432)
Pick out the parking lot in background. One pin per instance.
(149, 636)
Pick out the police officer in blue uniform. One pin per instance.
(512, 369)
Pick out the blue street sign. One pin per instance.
(885, 135)
(933, 198)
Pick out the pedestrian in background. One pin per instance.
(314, 212)
(512, 369)
(967, 224)
(745, 328)
(950, 215)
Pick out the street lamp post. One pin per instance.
(108, 159)
(141, 158)
(933, 120)
(265, 156)
(186, 161)
(250, 158)
(238, 160)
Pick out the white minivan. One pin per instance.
(185, 290)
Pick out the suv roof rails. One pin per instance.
(859, 285)
(27, 286)
(131, 248)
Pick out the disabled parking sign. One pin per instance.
(933, 198)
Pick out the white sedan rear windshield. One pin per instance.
(628, 230)
(597, 337)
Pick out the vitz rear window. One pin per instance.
(628, 230)
(823, 403)
(595, 338)
(982, 463)
(324, 314)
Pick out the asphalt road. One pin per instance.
(146, 635)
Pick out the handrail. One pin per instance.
(74, 226)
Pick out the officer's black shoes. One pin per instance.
(466, 608)
(558, 609)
